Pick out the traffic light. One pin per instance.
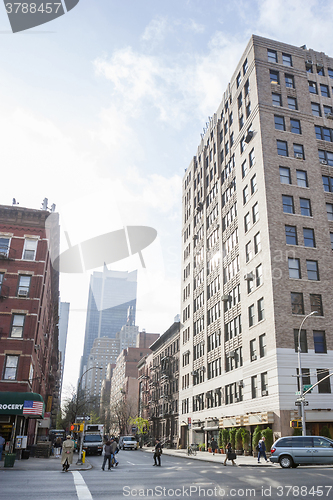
(72, 427)
(296, 424)
(78, 427)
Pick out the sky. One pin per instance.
(101, 112)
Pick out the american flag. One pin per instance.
(33, 408)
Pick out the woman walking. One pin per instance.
(67, 453)
(230, 455)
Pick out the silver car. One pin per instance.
(292, 451)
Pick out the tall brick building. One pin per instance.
(29, 295)
(257, 248)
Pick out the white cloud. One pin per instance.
(156, 30)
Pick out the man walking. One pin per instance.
(262, 449)
(107, 455)
(157, 453)
(114, 448)
(2, 443)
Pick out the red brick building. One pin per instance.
(29, 296)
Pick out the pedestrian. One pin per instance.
(157, 453)
(261, 448)
(230, 455)
(57, 446)
(107, 454)
(2, 443)
(67, 453)
(114, 451)
(213, 446)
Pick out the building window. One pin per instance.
(292, 103)
(329, 211)
(272, 56)
(298, 151)
(324, 90)
(253, 184)
(325, 386)
(264, 384)
(248, 251)
(316, 304)
(323, 133)
(331, 236)
(304, 341)
(325, 157)
(253, 350)
(255, 212)
(245, 66)
(254, 386)
(319, 341)
(242, 145)
(4, 246)
(315, 109)
(262, 345)
(286, 59)
(289, 79)
(10, 371)
(245, 195)
(24, 285)
(282, 148)
(251, 315)
(313, 88)
(257, 243)
(309, 238)
(247, 221)
(320, 71)
(29, 251)
(238, 79)
(252, 158)
(279, 123)
(276, 100)
(297, 305)
(258, 275)
(291, 235)
(295, 126)
(288, 204)
(1, 280)
(305, 378)
(327, 183)
(17, 325)
(312, 270)
(305, 206)
(294, 268)
(261, 309)
(244, 168)
(274, 77)
(327, 110)
(330, 72)
(285, 177)
(302, 178)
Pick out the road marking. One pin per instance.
(130, 463)
(82, 489)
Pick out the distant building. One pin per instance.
(111, 305)
(63, 329)
(29, 295)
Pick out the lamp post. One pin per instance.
(78, 392)
(300, 378)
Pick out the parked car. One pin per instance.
(292, 451)
(128, 443)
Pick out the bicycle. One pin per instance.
(191, 450)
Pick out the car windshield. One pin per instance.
(93, 439)
(131, 438)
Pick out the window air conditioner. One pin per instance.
(249, 136)
(230, 354)
(329, 116)
(200, 206)
(323, 162)
(3, 254)
(308, 63)
(241, 383)
(237, 400)
(226, 298)
(249, 277)
(319, 66)
(23, 293)
(299, 156)
(264, 393)
(254, 357)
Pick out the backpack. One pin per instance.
(258, 447)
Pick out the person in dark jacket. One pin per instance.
(213, 446)
(262, 450)
(157, 453)
(107, 455)
(229, 454)
(114, 451)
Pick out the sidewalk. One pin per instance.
(45, 464)
(241, 460)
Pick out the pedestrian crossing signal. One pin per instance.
(296, 424)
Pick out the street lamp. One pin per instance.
(78, 392)
(300, 378)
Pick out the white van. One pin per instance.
(128, 443)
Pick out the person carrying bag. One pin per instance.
(230, 455)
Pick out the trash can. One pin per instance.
(9, 460)
(25, 454)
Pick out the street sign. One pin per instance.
(298, 393)
(87, 418)
(307, 387)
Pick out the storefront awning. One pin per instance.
(27, 404)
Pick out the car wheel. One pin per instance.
(286, 462)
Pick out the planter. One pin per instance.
(9, 460)
(209, 450)
(247, 453)
(239, 452)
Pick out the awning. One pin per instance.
(27, 404)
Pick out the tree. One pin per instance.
(246, 439)
(238, 438)
(121, 412)
(232, 434)
(268, 435)
(256, 437)
(77, 404)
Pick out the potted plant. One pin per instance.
(246, 441)
(255, 440)
(268, 435)
(220, 441)
(232, 435)
(203, 447)
(225, 438)
(239, 441)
